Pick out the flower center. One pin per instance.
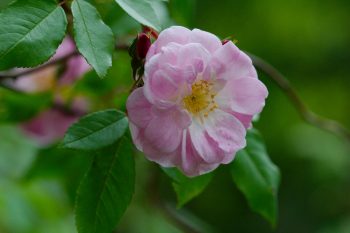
(201, 100)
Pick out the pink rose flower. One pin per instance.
(198, 100)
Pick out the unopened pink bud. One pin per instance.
(143, 44)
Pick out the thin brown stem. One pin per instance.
(61, 60)
(306, 114)
(30, 71)
(122, 46)
(61, 3)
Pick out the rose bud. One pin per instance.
(142, 45)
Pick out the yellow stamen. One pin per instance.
(201, 100)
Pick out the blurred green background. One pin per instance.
(307, 40)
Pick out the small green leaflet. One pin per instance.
(143, 11)
(96, 130)
(107, 189)
(30, 32)
(94, 39)
(257, 177)
(187, 188)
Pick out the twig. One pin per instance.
(61, 3)
(122, 46)
(306, 114)
(61, 60)
(48, 64)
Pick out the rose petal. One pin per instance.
(206, 39)
(244, 95)
(192, 163)
(142, 144)
(246, 120)
(228, 62)
(226, 130)
(166, 80)
(164, 131)
(161, 89)
(136, 135)
(177, 34)
(139, 108)
(207, 149)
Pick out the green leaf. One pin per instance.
(107, 189)
(30, 32)
(94, 39)
(187, 188)
(144, 11)
(96, 130)
(257, 177)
